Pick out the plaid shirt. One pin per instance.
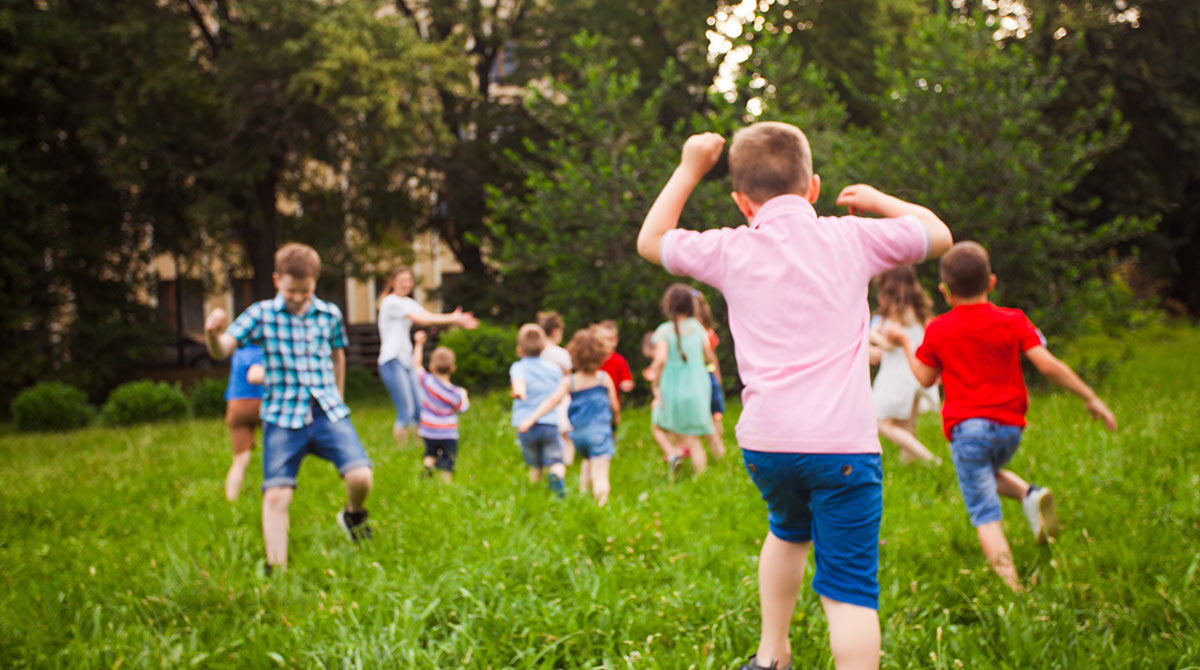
(298, 357)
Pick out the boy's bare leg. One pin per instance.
(910, 447)
(780, 575)
(559, 469)
(275, 524)
(237, 472)
(600, 485)
(1009, 485)
(853, 635)
(663, 438)
(696, 448)
(715, 440)
(535, 474)
(585, 475)
(358, 486)
(447, 476)
(568, 450)
(999, 556)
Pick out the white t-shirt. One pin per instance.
(558, 356)
(395, 338)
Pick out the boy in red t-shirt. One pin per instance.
(616, 366)
(976, 347)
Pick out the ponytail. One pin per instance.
(677, 302)
(679, 340)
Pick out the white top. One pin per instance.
(395, 328)
(897, 392)
(558, 356)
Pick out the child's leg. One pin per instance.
(1009, 485)
(237, 470)
(910, 447)
(999, 556)
(696, 449)
(585, 475)
(535, 474)
(275, 524)
(780, 575)
(663, 439)
(358, 487)
(715, 442)
(600, 485)
(853, 635)
(241, 415)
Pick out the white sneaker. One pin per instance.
(1042, 513)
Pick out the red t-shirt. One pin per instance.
(617, 369)
(978, 349)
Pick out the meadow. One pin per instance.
(117, 550)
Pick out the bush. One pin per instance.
(144, 401)
(208, 398)
(51, 406)
(361, 384)
(482, 356)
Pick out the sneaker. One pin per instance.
(355, 524)
(556, 485)
(1042, 513)
(752, 664)
(674, 463)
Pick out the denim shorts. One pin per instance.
(541, 445)
(718, 395)
(444, 451)
(834, 500)
(401, 385)
(284, 448)
(594, 441)
(980, 448)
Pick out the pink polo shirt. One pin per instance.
(796, 289)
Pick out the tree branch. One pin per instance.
(198, 19)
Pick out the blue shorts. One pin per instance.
(594, 441)
(834, 500)
(718, 395)
(541, 446)
(284, 448)
(401, 385)
(980, 448)
(444, 453)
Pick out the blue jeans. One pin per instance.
(285, 448)
(401, 385)
(980, 448)
(541, 446)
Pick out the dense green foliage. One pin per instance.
(144, 402)
(208, 398)
(482, 355)
(120, 551)
(51, 406)
(361, 383)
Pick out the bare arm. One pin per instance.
(1060, 373)
(455, 318)
(710, 358)
(548, 404)
(221, 345)
(661, 350)
(864, 198)
(339, 371)
(926, 376)
(613, 403)
(256, 374)
(418, 352)
(518, 388)
(700, 153)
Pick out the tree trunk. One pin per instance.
(259, 232)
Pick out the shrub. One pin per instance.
(144, 401)
(51, 406)
(208, 398)
(361, 384)
(482, 356)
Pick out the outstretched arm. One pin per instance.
(548, 404)
(418, 352)
(456, 318)
(221, 345)
(864, 198)
(1060, 373)
(700, 153)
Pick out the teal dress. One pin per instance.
(684, 386)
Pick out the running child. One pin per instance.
(303, 412)
(796, 285)
(552, 325)
(899, 397)
(441, 403)
(976, 347)
(243, 397)
(681, 414)
(533, 380)
(615, 365)
(593, 408)
(716, 441)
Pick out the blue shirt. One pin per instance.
(239, 388)
(541, 379)
(298, 357)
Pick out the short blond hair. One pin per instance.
(768, 159)
(531, 339)
(441, 360)
(299, 261)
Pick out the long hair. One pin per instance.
(677, 302)
(390, 287)
(703, 311)
(898, 290)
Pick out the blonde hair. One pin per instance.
(299, 261)
(770, 158)
(441, 360)
(587, 351)
(531, 339)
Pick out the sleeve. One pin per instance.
(338, 338)
(464, 403)
(660, 333)
(1028, 336)
(247, 328)
(623, 372)
(696, 254)
(927, 352)
(887, 243)
(514, 372)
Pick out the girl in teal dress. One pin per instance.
(681, 412)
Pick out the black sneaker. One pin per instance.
(752, 664)
(355, 524)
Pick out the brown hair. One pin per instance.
(899, 290)
(390, 287)
(299, 261)
(677, 302)
(770, 158)
(966, 270)
(703, 311)
(608, 324)
(587, 351)
(550, 321)
(531, 339)
(442, 360)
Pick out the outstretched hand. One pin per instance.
(215, 323)
(1101, 412)
(419, 337)
(701, 152)
(861, 198)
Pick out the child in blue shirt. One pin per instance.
(243, 398)
(533, 380)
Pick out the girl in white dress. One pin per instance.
(899, 397)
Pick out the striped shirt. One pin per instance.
(298, 358)
(441, 404)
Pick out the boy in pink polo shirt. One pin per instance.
(796, 287)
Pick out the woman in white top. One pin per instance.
(398, 312)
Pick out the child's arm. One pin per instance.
(613, 403)
(418, 352)
(925, 375)
(466, 401)
(626, 384)
(700, 153)
(661, 350)
(864, 198)
(710, 360)
(221, 345)
(1060, 373)
(548, 404)
(256, 374)
(518, 388)
(339, 371)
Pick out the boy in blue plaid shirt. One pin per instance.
(303, 339)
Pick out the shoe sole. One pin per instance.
(341, 521)
(1048, 515)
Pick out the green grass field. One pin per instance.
(117, 550)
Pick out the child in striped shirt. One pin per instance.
(441, 403)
